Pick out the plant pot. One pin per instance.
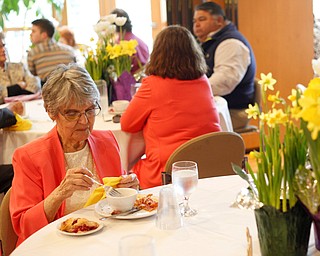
(316, 227)
(283, 233)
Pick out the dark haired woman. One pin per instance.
(174, 103)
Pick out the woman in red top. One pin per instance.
(174, 103)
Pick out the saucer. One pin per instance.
(111, 111)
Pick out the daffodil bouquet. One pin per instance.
(282, 150)
(110, 57)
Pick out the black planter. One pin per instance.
(283, 233)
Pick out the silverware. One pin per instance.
(133, 210)
(109, 190)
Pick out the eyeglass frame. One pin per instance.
(79, 114)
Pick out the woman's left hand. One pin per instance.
(129, 181)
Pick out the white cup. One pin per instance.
(120, 105)
(168, 213)
(133, 245)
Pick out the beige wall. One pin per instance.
(281, 35)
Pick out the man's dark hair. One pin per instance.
(45, 26)
(212, 8)
(121, 13)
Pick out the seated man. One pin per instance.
(15, 78)
(7, 119)
(46, 53)
(230, 60)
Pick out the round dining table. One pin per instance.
(131, 145)
(217, 229)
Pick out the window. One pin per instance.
(141, 19)
(81, 18)
(18, 28)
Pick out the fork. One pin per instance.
(108, 189)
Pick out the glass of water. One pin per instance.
(185, 181)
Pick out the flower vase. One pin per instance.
(283, 233)
(316, 227)
(104, 102)
(122, 87)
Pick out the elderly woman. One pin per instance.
(53, 174)
(174, 103)
(15, 79)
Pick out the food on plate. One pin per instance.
(78, 225)
(146, 202)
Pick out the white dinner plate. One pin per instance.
(103, 209)
(81, 233)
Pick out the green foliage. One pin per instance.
(8, 6)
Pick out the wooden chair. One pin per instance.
(214, 152)
(7, 235)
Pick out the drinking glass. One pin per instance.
(168, 213)
(185, 181)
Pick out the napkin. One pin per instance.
(21, 125)
(99, 193)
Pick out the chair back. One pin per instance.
(7, 235)
(214, 152)
(257, 92)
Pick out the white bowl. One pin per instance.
(120, 105)
(125, 202)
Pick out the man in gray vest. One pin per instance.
(230, 60)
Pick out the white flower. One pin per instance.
(316, 66)
(104, 28)
(101, 26)
(120, 21)
(110, 18)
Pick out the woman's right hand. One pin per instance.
(75, 179)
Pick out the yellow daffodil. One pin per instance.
(310, 107)
(111, 56)
(253, 111)
(267, 81)
(279, 154)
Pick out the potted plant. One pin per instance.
(308, 178)
(283, 224)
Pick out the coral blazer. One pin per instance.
(169, 112)
(39, 168)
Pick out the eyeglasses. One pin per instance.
(72, 115)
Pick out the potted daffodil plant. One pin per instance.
(283, 224)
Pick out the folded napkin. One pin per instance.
(21, 125)
(99, 193)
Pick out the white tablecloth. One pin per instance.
(41, 124)
(217, 229)
(131, 146)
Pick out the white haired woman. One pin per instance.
(53, 173)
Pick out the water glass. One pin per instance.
(134, 245)
(168, 213)
(185, 181)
